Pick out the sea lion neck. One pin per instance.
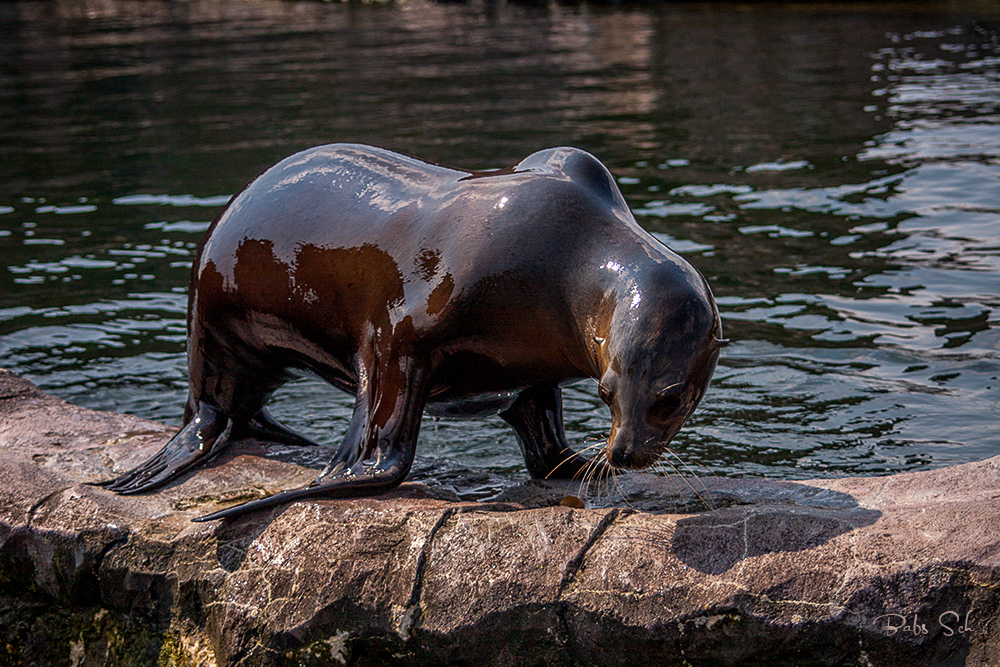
(610, 290)
(634, 284)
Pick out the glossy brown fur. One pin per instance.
(413, 285)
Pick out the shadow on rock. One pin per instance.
(803, 518)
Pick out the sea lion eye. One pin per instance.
(666, 405)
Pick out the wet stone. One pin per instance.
(896, 570)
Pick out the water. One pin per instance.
(833, 171)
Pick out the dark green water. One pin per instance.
(833, 171)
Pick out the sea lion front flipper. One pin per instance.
(199, 440)
(379, 444)
(536, 417)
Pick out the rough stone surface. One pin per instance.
(776, 573)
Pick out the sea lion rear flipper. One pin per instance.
(199, 440)
(264, 427)
(536, 417)
(352, 483)
(379, 444)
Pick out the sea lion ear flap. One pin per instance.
(721, 342)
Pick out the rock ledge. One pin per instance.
(898, 570)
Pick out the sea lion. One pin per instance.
(412, 285)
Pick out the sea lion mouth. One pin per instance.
(623, 459)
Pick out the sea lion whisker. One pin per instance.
(662, 393)
(583, 490)
(707, 503)
(565, 460)
(570, 456)
(578, 473)
(592, 460)
(594, 445)
(597, 477)
(707, 470)
(676, 473)
(598, 482)
(621, 492)
(594, 477)
(595, 473)
(687, 467)
(582, 471)
(664, 474)
(671, 472)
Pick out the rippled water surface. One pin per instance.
(833, 171)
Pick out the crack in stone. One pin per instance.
(425, 551)
(563, 633)
(15, 395)
(13, 386)
(108, 548)
(411, 616)
(33, 510)
(576, 562)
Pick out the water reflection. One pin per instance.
(835, 174)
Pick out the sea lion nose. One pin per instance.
(618, 458)
(633, 448)
(620, 451)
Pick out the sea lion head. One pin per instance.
(662, 347)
